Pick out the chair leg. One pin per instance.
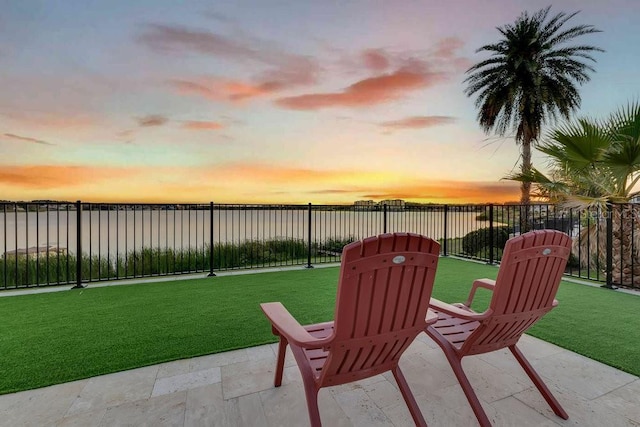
(542, 387)
(310, 386)
(311, 392)
(418, 419)
(282, 351)
(456, 365)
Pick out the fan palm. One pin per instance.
(594, 164)
(530, 78)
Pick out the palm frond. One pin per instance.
(585, 202)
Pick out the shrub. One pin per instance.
(335, 245)
(476, 241)
(27, 271)
(573, 261)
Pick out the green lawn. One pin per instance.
(63, 336)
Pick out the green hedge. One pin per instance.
(27, 271)
(477, 243)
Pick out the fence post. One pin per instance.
(78, 284)
(491, 235)
(609, 267)
(445, 251)
(309, 239)
(384, 218)
(211, 273)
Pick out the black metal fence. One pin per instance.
(54, 243)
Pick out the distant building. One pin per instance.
(37, 252)
(365, 203)
(393, 203)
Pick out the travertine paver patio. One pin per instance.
(236, 389)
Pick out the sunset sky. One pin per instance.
(268, 101)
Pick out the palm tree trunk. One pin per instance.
(626, 245)
(526, 166)
(591, 245)
(525, 187)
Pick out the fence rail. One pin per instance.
(55, 243)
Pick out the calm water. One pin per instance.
(118, 232)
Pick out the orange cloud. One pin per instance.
(240, 183)
(25, 139)
(218, 89)
(53, 120)
(236, 90)
(152, 120)
(46, 177)
(417, 122)
(276, 173)
(299, 73)
(347, 186)
(202, 125)
(451, 192)
(370, 91)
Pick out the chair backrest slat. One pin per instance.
(530, 273)
(383, 295)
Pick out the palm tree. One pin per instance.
(596, 164)
(530, 79)
(592, 162)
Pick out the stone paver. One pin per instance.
(181, 382)
(236, 389)
(111, 390)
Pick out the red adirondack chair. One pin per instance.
(382, 304)
(530, 272)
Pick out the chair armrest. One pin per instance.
(452, 310)
(288, 326)
(479, 283)
(432, 317)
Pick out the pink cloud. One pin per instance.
(201, 88)
(411, 74)
(447, 50)
(375, 59)
(166, 38)
(284, 70)
(222, 89)
(125, 133)
(152, 120)
(417, 122)
(294, 71)
(202, 125)
(448, 47)
(370, 91)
